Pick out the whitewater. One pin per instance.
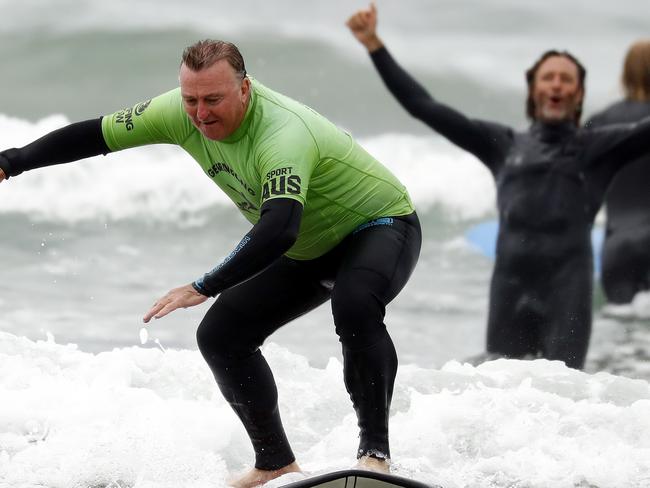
(143, 417)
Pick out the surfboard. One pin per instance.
(356, 478)
(483, 238)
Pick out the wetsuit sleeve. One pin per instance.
(270, 238)
(620, 144)
(159, 120)
(71, 143)
(487, 141)
(597, 120)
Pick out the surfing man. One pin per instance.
(626, 248)
(551, 180)
(329, 222)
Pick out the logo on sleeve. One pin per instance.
(280, 182)
(126, 116)
(141, 107)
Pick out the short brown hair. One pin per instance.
(532, 71)
(205, 53)
(636, 72)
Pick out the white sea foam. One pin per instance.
(638, 308)
(147, 418)
(164, 183)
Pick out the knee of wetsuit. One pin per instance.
(206, 340)
(221, 345)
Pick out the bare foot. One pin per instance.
(373, 464)
(257, 477)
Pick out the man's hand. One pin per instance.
(363, 25)
(3, 176)
(182, 297)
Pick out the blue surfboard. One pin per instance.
(483, 238)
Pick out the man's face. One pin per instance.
(557, 93)
(215, 99)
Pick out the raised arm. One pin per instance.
(485, 140)
(71, 143)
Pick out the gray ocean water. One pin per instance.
(86, 249)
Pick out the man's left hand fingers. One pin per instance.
(159, 305)
(170, 307)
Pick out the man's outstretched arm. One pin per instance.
(268, 240)
(71, 143)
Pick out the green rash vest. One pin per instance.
(282, 149)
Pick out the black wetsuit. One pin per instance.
(262, 290)
(626, 248)
(551, 181)
(360, 276)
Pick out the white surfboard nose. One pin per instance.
(356, 478)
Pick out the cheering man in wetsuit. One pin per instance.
(329, 223)
(550, 180)
(626, 247)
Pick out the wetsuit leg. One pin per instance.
(565, 336)
(626, 265)
(377, 262)
(550, 316)
(229, 338)
(513, 318)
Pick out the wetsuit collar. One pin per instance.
(556, 132)
(243, 127)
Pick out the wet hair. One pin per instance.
(532, 71)
(205, 53)
(636, 72)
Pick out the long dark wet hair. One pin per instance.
(532, 71)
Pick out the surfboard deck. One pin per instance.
(356, 478)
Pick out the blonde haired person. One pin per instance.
(626, 248)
